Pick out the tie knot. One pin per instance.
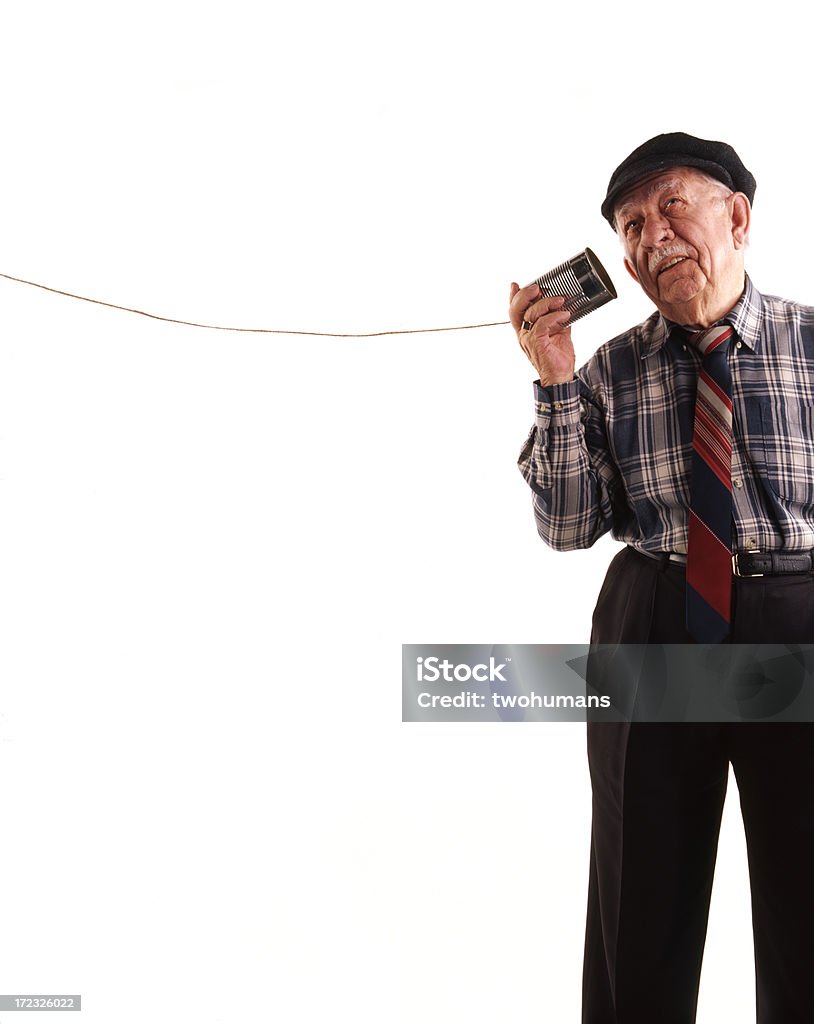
(712, 339)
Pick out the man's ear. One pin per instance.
(631, 269)
(741, 219)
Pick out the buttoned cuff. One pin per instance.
(557, 405)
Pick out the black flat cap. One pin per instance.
(677, 149)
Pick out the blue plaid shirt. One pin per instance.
(612, 449)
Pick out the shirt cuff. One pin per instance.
(557, 405)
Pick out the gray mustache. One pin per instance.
(666, 253)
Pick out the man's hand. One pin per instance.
(543, 333)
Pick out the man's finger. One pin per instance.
(547, 304)
(552, 323)
(520, 301)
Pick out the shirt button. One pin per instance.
(750, 543)
(738, 482)
(738, 344)
(558, 406)
(684, 347)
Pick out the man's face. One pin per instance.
(683, 237)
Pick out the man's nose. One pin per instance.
(656, 230)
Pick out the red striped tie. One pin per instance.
(709, 545)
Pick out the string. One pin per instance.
(249, 330)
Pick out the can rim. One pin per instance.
(600, 271)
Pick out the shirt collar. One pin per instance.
(746, 316)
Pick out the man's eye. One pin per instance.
(672, 199)
(631, 226)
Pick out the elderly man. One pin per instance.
(689, 437)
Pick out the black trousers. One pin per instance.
(658, 793)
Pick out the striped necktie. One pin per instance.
(709, 545)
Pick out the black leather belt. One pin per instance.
(771, 563)
(746, 564)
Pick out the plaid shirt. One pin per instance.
(612, 449)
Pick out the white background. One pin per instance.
(212, 545)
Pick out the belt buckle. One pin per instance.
(745, 575)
